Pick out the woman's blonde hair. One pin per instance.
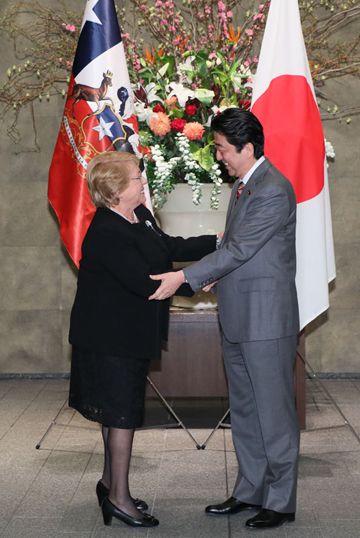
(108, 175)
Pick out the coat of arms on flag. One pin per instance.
(98, 116)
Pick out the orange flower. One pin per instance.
(161, 52)
(150, 56)
(181, 43)
(145, 150)
(171, 102)
(234, 36)
(193, 130)
(160, 124)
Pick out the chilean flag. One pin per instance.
(98, 116)
(284, 101)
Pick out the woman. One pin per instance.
(115, 330)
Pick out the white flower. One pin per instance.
(142, 111)
(329, 150)
(181, 92)
(245, 71)
(187, 66)
(185, 71)
(151, 95)
(237, 81)
(216, 110)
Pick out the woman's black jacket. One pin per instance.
(111, 313)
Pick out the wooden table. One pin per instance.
(193, 367)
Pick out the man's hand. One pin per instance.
(170, 282)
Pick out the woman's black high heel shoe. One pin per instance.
(109, 511)
(102, 492)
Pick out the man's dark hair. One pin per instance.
(240, 127)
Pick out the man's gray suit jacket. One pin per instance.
(256, 263)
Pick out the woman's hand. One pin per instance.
(170, 282)
(210, 286)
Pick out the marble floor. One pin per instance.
(50, 492)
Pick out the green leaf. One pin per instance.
(204, 96)
(203, 70)
(204, 157)
(176, 113)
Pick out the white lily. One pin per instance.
(181, 92)
(151, 95)
(216, 110)
(237, 81)
(187, 67)
(245, 71)
(142, 112)
(186, 70)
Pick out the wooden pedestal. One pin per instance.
(193, 367)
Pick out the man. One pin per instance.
(254, 271)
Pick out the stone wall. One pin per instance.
(333, 340)
(37, 281)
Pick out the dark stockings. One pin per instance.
(106, 479)
(117, 454)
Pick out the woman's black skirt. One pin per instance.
(108, 389)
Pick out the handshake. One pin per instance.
(170, 282)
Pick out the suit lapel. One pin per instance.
(232, 200)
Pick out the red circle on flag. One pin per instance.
(294, 137)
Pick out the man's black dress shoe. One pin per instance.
(267, 519)
(102, 492)
(109, 510)
(231, 506)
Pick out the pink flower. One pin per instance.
(160, 124)
(250, 33)
(193, 130)
(69, 27)
(171, 102)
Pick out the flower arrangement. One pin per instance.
(199, 58)
(180, 85)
